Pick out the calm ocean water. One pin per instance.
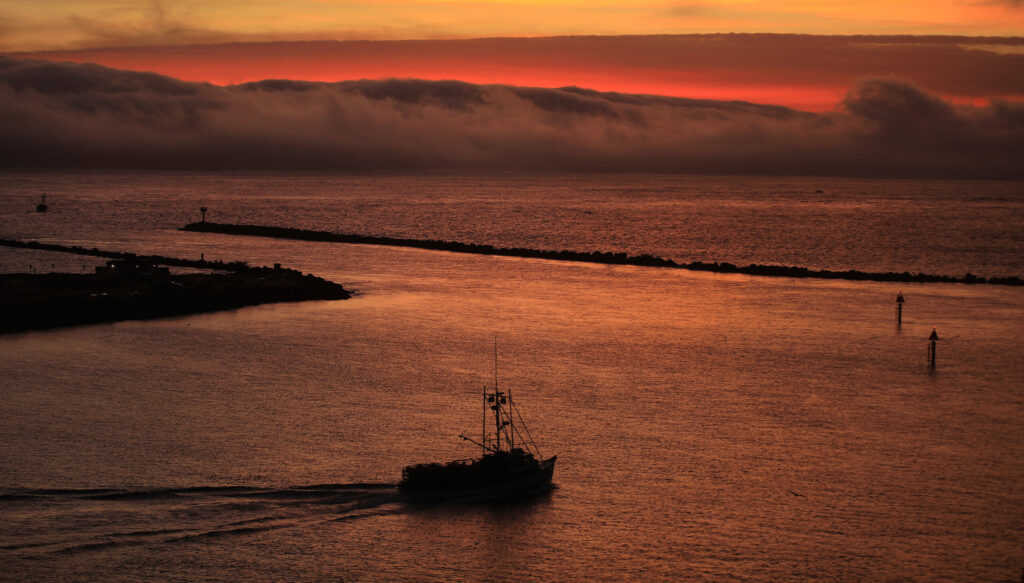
(715, 427)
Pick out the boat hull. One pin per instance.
(522, 484)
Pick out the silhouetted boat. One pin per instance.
(42, 207)
(510, 464)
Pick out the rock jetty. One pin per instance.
(592, 256)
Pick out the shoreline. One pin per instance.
(135, 287)
(600, 257)
(157, 259)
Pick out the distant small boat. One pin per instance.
(42, 207)
(510, 464)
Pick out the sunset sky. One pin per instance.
(65, 24)
(237, 41)
(944, 78)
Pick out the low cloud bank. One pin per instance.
(59, 115)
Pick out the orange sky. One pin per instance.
(237, 41)
(64, 24)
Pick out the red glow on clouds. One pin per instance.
(803, 72)
(234, 68)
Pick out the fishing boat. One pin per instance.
(510, 464)
(42, 207)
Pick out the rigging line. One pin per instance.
(528, 445)
(527, 429)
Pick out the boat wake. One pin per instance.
(44, 522)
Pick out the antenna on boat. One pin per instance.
(483, 432)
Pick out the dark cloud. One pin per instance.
(50, 78)
(1009, 3)
(690, 10)
(59, 115)
(156, 27)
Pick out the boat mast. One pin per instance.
(507, 421)
(511, 433)
(483, 425)
(500, 404)
(497, 420)
(497, 401)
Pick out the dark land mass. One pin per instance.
(155, 259)
(591, 257)
(137, 288)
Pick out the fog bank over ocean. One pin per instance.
(60, 115)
